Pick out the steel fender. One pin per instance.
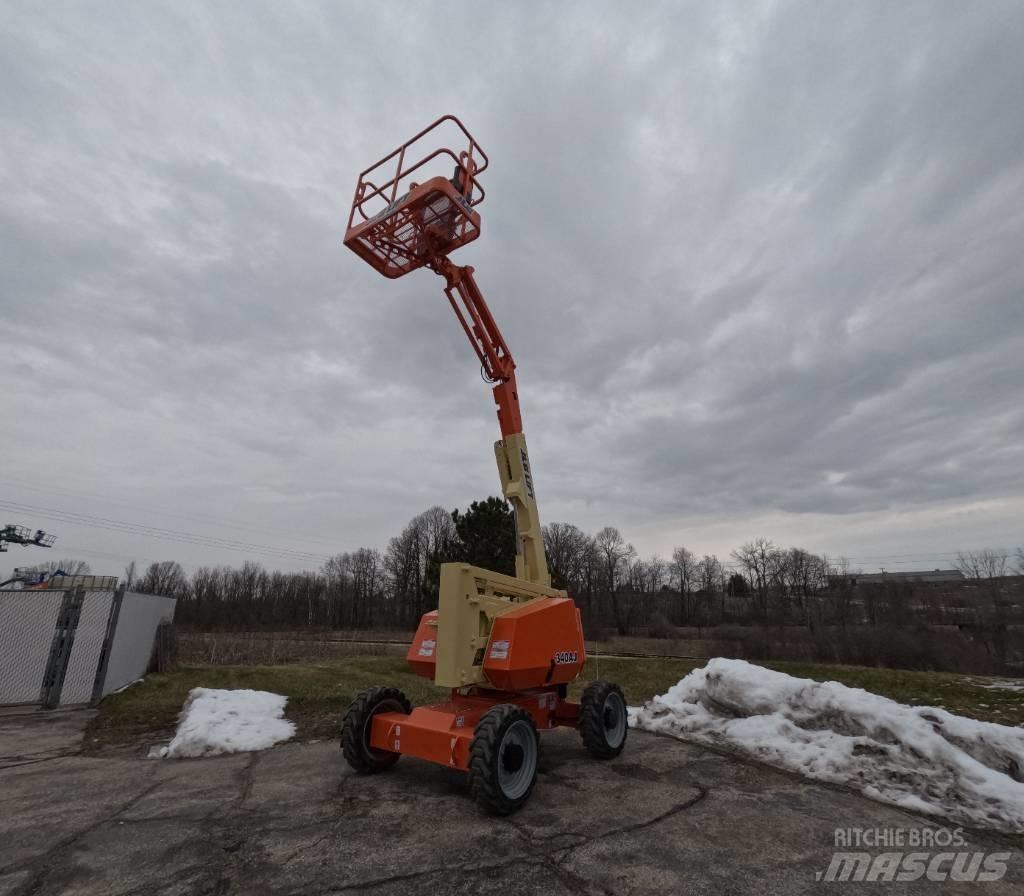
(536, 645)
(422, 655)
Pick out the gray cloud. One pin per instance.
(759, 265)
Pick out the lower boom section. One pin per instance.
(443, 732)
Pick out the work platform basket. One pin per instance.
(417, 204)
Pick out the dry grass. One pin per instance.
(319, 692)
(274, 648)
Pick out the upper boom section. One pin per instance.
(417, 203)
(398, 224)
(496, 362)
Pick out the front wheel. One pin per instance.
(355, 729)
(603, 719)
(503, 759)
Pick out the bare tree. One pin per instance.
(843, 569)
(1018, 558)
(710, 574)
(682, 571)
(759, 560)
(615, 555)
(643, 579)
(841, 578)
(129, 576)
(438, 528)
(337, 572)
(710, 578)
(647, 576)
(367, 570)
(982, 565)
(802, 575)
(206, 595)
(70, 567)
(568, 550)
(412, 563)
(405, 572)
(166, 578)
(437, 539)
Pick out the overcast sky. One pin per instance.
(761, 267)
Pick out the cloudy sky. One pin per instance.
(761, 267)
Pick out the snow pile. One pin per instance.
(216, 721)
(919, 758)
(1003, 685)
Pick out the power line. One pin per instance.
(915, 555)
(66, 492)
(295, 555)
(72, 550)
(90, 521)
(172, 535)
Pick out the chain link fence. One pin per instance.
(26, 637)
(57, 646)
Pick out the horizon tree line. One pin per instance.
(396, 585)
(617, 589)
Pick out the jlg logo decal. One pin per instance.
(527, 475)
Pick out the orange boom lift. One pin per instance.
(506, 646)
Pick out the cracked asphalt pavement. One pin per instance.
(666, 817)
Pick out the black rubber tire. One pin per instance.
(596, 733)
(485, 754)
(355, 729)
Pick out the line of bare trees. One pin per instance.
(365, 588)
(759, 584)
(68, 566)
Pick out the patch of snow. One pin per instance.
(130, 684)
(215, 721)
(1004, 685)
(920, 758)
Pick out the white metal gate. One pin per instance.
(75, 645)
(27, 622)
(52, 644)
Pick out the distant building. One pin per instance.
(930, 576)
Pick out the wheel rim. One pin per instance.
(613, 715)
(517, 759)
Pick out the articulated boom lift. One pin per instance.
(507, 647)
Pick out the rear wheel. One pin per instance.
(503, 759)
(355, 728)
(603, 719)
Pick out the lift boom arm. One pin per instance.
(510, 451)
(407, 215)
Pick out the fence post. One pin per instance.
(60, 647)
(164, 655)
(108, 643)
